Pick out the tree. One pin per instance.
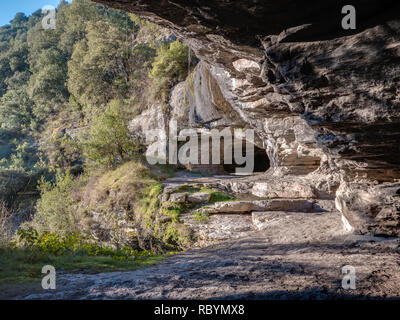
(55, 208)
(49, 53)
(72, 20)
(109, 142)
(46, 86)
(15, 110)
(100, 68)
(170, 66)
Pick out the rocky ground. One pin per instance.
(270, 254)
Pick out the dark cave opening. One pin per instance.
(261, 161)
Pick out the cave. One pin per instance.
(261, 161)
(298, 78)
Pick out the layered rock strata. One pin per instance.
(324, 102)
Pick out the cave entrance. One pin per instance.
(261, 161)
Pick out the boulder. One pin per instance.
(177, 197)
(283, 189)
(370, 208)
(199, 197)
(164, 197)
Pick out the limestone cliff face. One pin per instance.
(324, 102)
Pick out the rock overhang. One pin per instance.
(310, 89)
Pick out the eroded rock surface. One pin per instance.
(323, 101)
(371, 208)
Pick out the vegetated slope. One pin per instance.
(66, 96)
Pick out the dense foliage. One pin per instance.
(66, 96)
(72, 243)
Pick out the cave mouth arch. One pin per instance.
(261, 161)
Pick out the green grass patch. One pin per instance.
(25, 265)
(217, 196)
(201, 216)
(149, 203)
(175, 209)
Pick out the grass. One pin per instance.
(201, 216)
(217, 196)
(174, 209)
(25, 265)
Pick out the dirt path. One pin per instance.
(299, 255)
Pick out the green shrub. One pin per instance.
(62, 151)
(169, 67)
(175, 209)
(73, 243)
(177, 235)
(149, 203)
(109, 142)
(56, 210)
(20, 166)
(171, 235)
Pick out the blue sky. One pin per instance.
(9, 8)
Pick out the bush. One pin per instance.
(73, 243)
(108, 205)
(20, 166)
(60, 144)
(125, 196)
(6, 225)
(131, 194)
(109, 142)
(55, 209)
